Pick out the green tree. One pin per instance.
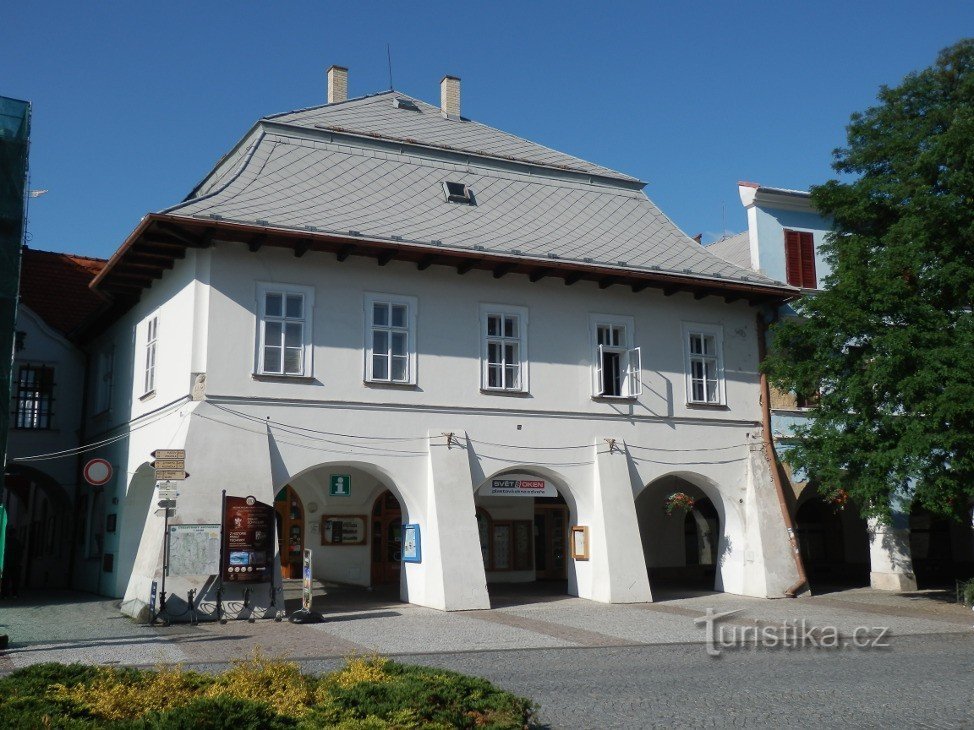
(891, 338)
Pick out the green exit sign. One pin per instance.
(340, 485)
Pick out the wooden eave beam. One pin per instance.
(150, 257)
(539, 274)
(344, 252)
(732, 298)
(179, 234)
(639, 286)
(255, 243)
(302, 247)
(700, 294)
(669, 291)
(466, 266)
(385, 257)
(607, 282)
(425, 262)
(572, 277)
(503, 270)
(153, 270)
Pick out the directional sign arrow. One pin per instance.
(169, 454)
(170, 474)
(167, 503)
(168, 464)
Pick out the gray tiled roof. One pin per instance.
(734, 249)
(300, 178)
(377, 115)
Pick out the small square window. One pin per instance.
(458, 193)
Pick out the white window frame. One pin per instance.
(411, 303)
(151, 349)
(105, 374)
(504, 310)
(307, 361)
(707, 330)
(630, 357)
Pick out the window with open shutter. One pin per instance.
(800, 259)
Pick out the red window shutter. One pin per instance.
(808, 261)
(793, 258)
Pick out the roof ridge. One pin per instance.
(337, 103)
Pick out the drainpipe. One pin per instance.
(773, 460)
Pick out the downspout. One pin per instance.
(773, 459)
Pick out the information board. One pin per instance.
(343, 530)
(194, 549)
(248, 540)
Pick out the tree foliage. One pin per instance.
(891, 337)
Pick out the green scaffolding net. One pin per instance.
(14, 143)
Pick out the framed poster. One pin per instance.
(412, 551)
(248, 540)
(343, 529)
(580, 542)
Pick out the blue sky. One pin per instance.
(134, 102)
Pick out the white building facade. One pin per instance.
(377, 313)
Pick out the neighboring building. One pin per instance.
(377, 312)
(783, 241)
(57, 521)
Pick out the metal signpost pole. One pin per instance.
(223, 538)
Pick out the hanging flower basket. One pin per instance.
(840, 499)
(679, 501)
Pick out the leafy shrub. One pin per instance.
(276, 682)
(217, 713)
(366, 694)
(967, 592)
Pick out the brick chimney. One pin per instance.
(337, 84)
(450, 97)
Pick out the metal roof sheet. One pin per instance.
(303, 180)
(378, 116)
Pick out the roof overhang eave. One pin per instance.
(161, 238)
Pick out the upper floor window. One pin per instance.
(33, 396)
(704, 364)
(504, 356)
(390, 344)
(104, 378)
(618, 365)
(151, 337)
(284, 332)
(800, 259)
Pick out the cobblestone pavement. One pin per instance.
(587, 664)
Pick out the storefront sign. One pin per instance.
(343, 529)
(340, 485)
(248, 540)
(518, 485)
(306, 582)
(412, 551)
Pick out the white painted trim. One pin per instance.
(522, 329)
(617, 320)
(718, 333)
(412, 304)
(307, 364)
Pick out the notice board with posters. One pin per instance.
(343, 529)
(248, 540)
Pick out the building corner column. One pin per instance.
(616, 550)
(769, 563)
(891, 562)
(455, 578)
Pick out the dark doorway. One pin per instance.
(834, 545)
(290, 531)
(550, 538)
(386, 539)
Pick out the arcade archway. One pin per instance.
(682, 528)
(524, 517)
(834, 543)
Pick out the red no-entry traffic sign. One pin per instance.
(97, 472)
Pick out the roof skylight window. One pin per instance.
(409, 104)
(458, 193)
